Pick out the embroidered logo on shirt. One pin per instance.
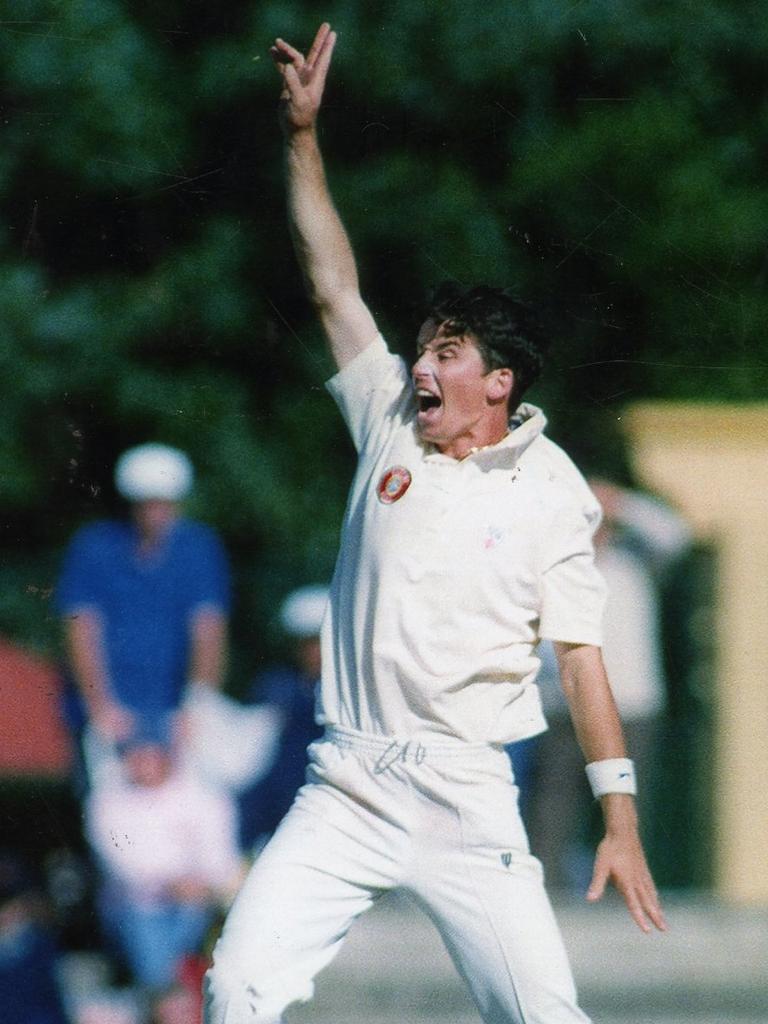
(506, 859)
(393, 484)
(494, 535)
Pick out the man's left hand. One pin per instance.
(620, 859)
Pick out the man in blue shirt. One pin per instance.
(144, 601)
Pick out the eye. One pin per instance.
(446, 353)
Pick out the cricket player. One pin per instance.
(467, 538)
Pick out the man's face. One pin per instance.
(148, 765)
(459, 403)
(154, 517)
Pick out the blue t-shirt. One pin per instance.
(145, 603)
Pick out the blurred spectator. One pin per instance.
(290, 690)
(29, 986)
(636, 547)
(167, 849)
(227, 744)
(144, 603)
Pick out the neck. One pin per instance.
(462, 447)
(481, 447)
(149, 539)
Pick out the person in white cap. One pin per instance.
(467, 538)
(144, 601)
(290, 689)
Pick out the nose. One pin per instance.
(422, 369)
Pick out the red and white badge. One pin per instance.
(393, 484)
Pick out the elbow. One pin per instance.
(328, 285)
(331, 296)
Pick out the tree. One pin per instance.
(604, 159)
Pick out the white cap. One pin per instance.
(153, 472)
(301, 614)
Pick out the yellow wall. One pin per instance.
(711, 462)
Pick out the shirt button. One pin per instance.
(414, 572)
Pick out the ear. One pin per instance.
(500, 384)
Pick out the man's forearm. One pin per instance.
(85, 650)
(321, 243)
(208, 653)
(590, 700)
(597, 724)
(85, 646)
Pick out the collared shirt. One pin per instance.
(450, 571)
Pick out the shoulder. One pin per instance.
(194, 534)
(561, 486)
(101, 535)
(375, 369)
(373, 393)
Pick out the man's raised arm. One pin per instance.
(322, 246)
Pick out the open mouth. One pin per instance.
(427, 401)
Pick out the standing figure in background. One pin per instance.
(291, 690)
(636, 547)
(166, 848)
(144, 602)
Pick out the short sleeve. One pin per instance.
(79, 582)
(209, 582)
(573, 591)
(372, 389)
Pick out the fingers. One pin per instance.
(630, 875)
(291, 77)
(284, 53)
(641, 898)
(635, 907)
(642, 902)
(318, 43)
(323, 59)
(599, 881)
(649, 901)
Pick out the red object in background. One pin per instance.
(187, 1008)
(33, 739)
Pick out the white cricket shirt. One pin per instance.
(443, 588)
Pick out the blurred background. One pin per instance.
(606, 161)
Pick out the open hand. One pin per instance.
(303, 79)
(622, 861)
(113, 722)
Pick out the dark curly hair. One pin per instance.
(507, 331)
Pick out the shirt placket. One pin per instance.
(428, 542)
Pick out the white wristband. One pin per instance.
(616, 775)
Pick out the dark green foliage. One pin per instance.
(606, 159)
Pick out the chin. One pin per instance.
(429, 432)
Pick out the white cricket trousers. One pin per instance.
(436, 820)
